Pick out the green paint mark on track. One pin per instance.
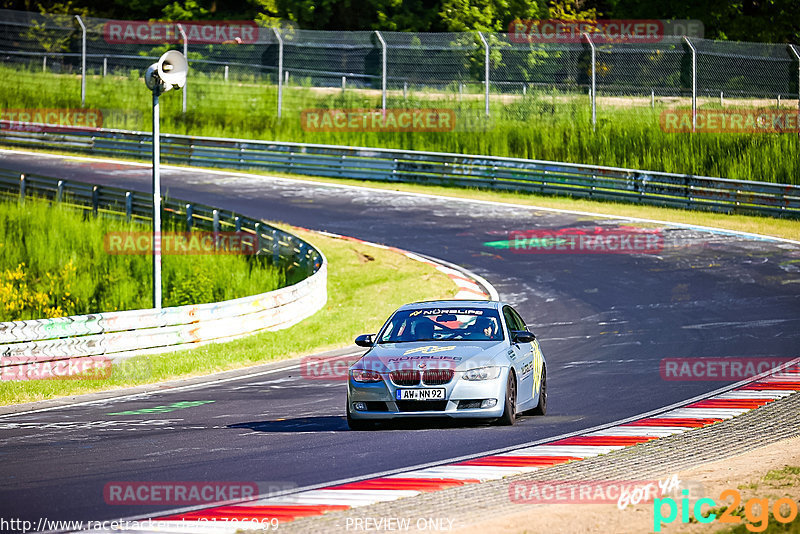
(164, 409)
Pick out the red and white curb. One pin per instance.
(470, 285)
(256, 514)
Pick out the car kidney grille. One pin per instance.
(437, 377)
(405, 378)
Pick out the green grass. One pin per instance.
(548, 126)
(365, 285)
(54, 263)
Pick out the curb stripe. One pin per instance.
(282, 513)
(414, 484)
(534, 461)
(676, 421)
(730, 403)
(607, 441)
(651, 430)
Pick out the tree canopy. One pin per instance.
(742, 20)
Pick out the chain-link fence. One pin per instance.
(391, 62)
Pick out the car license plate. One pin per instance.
(421, 394)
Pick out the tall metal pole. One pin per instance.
(383, 70)
(186, 55)
(156, 203)
(694, 82)
(486, 71)
(83, 60)
(280, 70)
(793, 48)
(594, 81)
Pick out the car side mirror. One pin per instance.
(364, 340)
(522, 336)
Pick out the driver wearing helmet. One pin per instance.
(484, 327)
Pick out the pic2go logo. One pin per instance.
(755, 510)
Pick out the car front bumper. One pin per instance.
(380, 399)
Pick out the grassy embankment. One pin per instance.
(54, 263)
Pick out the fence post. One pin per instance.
(83, 60)
(486, 71)
(694, 82)
(280, 69)
(60, 191)
(257, 229)
(186, 55)
(189, 217)
(383, 70)
(95, 199)
(21, 187)
(276, 247)
(594, 81)
(128, 205)
(794, 51)
(105, 66)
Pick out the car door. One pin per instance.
(519, 353)
(525, 358)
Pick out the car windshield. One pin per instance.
(442, 324)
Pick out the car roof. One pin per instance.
(480, 304)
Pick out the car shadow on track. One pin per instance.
(325, 423)
(332, 423)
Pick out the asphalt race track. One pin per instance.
(605, 322)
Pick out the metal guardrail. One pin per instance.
(498, 173)
(28, 348)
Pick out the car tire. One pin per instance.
(541, 408)
(358, 424)
(509, 416)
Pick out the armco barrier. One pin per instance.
(545, 177)
(118, 335)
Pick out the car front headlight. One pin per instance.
(364, 375)
(482, 373)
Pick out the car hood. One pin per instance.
(458, 355)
